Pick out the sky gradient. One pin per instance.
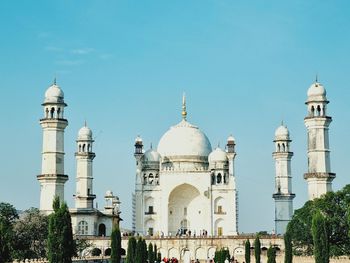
(123, 65)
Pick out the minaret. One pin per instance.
(283, 180)
(52, 177)
(319, 176)
(84, 196)
(137, 198)
(231, 155)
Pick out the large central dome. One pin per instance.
(184, 139)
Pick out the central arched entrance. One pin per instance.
(183, 204)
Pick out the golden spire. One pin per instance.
(184, 112)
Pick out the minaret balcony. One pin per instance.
(219, 213)
(329, 176)
(54, 119)
(150, 213)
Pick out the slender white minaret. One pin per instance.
(319, 176)
(231, 155)
(84, 197)
(283, 180)
(137, 221)
(52, 177)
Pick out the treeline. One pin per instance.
(139, 253)
(321, 227)
(35, 235)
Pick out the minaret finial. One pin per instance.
(151, 146)
(316, 77)
(282, 123)
(85, 124)
(184, 112)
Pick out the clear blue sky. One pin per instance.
(123, 65)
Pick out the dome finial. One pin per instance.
(282, 123)
(85, 124)
(316, 78)
(184, 112)
(54, 80)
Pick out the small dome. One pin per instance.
(184, 139)
(109, 194)
(85, 133)
(231, 139)
(316, 92)
(54, 94)
(151, 156)
(218, 155)
(282, 133)
(138, 139)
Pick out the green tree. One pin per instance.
(31, 232)
(159, 257)
(116, 245)
(8, 215)
(271, 255)
(335, 208)
(247, 251)
(320, 238)
(257, 249)
(131, 253)
(150, 253)
(139, 251)
(144, 251)
(60, 245)
(288, 248)
(155, 249)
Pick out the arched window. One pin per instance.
(324, 111)
(59, 113)
(157, 179)
(108, 252)
(283, 147)
(47, 113)
(83, 228)
(150, 178)
(144, 179)
(212, 179)
(225, 178)
(312, 111)
(52, 112)
(219, 178)
(84, 147)
(102, 230)
(88, 148)
(318, 110)
(278, 147)
(79, 147)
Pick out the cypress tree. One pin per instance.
(60, 237)
(150, 253)
(131, 255)
(155, 252)
(116, 245)
(257, 249)
(271, 255)
(247, 251)
(144, 251)
(288, 251)
(320, 238)
(159, 257)
(139, 251)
